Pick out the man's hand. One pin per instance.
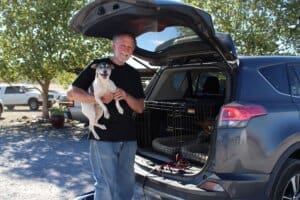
(137, 105)
(107, 97)
(120, 94)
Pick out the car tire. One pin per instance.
(33, 104)
(287, 179)
(10, 107)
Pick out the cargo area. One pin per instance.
(175, 134)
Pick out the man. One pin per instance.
(112, 157)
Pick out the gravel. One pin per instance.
(38, 161)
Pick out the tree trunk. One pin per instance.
(45, 89)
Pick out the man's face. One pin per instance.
(123, 47)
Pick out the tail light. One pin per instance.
(238, 115)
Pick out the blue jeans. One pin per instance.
(113, 169)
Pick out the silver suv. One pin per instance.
(216, 125)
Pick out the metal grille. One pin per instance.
(184, 118)
(169, 127)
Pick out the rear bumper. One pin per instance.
(156, 187)
(155, 190)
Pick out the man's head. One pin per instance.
(123, 47)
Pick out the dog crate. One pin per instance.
(178, 127)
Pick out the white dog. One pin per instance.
(101, 85)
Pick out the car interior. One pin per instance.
(180, 116)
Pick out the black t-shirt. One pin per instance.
(119, 127)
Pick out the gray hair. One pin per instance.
(117, 35)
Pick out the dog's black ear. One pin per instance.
(94, 65)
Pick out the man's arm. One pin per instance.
(78, 94)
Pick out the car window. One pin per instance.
(158, 41)
(275, 75)
(32, 89)
(181, 83)
(208, 83)
(294, 75)
(177, 80)
(13, 90)
(172, 85)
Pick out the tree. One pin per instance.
(258, 27)
(37, 43)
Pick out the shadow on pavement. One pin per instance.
(40, 153)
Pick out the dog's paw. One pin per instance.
(106, 115)
(121, 111)
(101, 126)
(95, 135)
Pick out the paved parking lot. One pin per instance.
(40, 162)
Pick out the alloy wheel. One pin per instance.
(292, 189)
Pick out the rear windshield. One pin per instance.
(172, 35)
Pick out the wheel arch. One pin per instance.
(292, 152)
(32, 98)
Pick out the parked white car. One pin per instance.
(20, 95)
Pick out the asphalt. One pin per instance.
(38, 161)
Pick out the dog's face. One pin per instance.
(103, 70)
